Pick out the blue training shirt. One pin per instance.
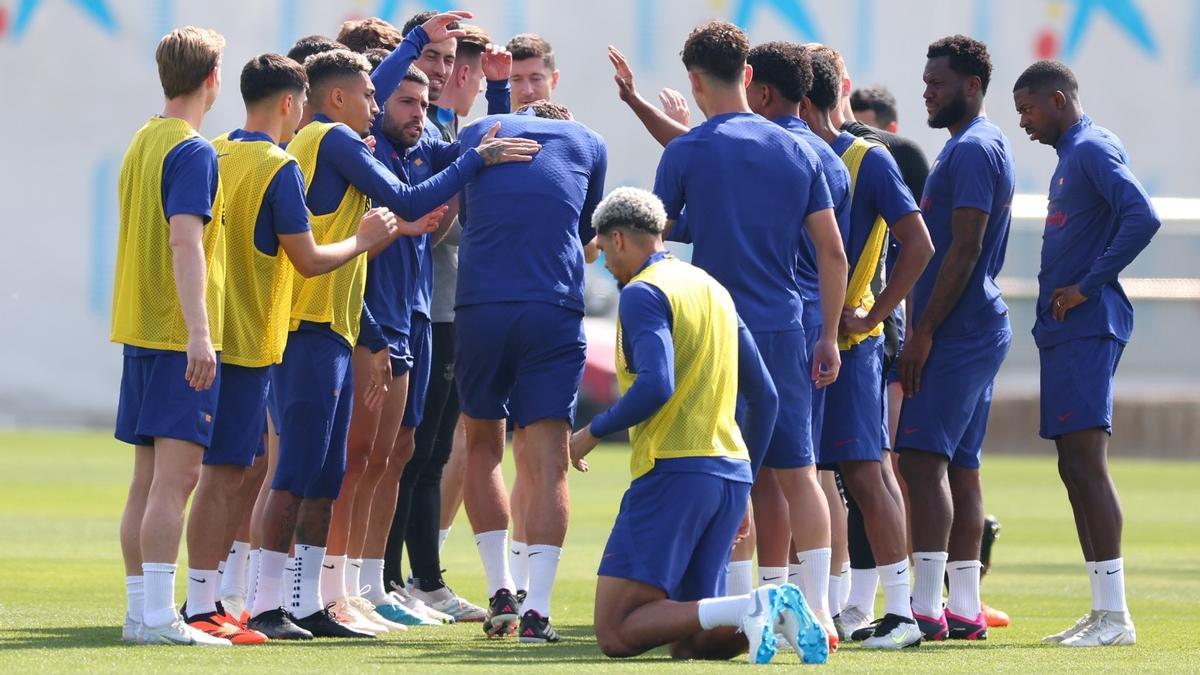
(879, 191)
(524, 224)
(748, 185)
(974, 170)
(838, 180)
(1098, 220)
(650, 351)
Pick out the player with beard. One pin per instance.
(959, 339)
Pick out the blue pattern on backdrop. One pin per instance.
(794, 11)
(96, 9)
(1124, 12)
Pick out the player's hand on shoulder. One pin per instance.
(675, 106)
(827, 362)
(502, 150)
(582, 442)
(437, 27)
(370, 141)
(624, 74)
(376, 227)
(497, 63)
(201, 362)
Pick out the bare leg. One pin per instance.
(1083, 465)
(377, 463)
(135, 509)
(546, 461)
(632, 618)
(881, 515)
(383, 504)
(264, 491)
(895, 394)
(931, 508)
(966, 530)
(176, 470)
(519, 501)
(838, 540)
(364, 424)
(771, 520)
(216, 496)
(807, 508)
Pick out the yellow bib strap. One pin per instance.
(858, 291)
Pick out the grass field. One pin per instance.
(61, 586)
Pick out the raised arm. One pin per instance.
(659, 124)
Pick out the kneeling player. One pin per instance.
(684, 355)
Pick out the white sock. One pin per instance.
(814, 577)
(442, 535)
(518, 565)
(793, 574)
(158, 604)
(1111, 582)
(772, 575)
(929, 571)
(233, 577)
(135, 597)
(290, 581)
(333, 578)
(493, 550)
(835, 594)
(353, 576)
(221, 567)
(895, 589)
(371, 574)
(726, 611)
(268, 589)
(739, 577)
(306, 596)
(964, 588)
(543, 568)
(1094, 582)
(202, 586)
(844, 593)
(252, 577)
(863, 584)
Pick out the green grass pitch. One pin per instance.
(62, 600)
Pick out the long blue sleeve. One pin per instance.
(369, 333)
(391, 70)
(762, 399)
(646, 324)
(353, 161)
(1136, 220)
(499, 97)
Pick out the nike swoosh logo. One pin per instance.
(771, 578)
(898, 639)
(516, 553)
(903, 571)
(199, 581)
(289, 569)
(801, 562)
(328, 567)
(959, 569)
(1112, 572)
(530, 555)
(1111, 640)
(357, 565)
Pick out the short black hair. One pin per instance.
(336, 63)
(1047, 73)
(967, 55)
(718, 48)
(785, 66)
(531, 46)
(268, 75)
(826, 87)
(546, 110)
(415, 74)
(313, 44)
(878, 100)
(376, 55)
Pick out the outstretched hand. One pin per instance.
(437, 27)
(497, 63)
(675, 106)
(582, 442)
(624, 74)
(423, 225)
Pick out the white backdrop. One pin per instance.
(77, 78)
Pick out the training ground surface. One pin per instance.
(62, 599)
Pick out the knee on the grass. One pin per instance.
(613, 645)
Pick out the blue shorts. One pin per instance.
(273, 400)
(1077, 385)
(786, 356)
(817, 423)
(948, 416)
(527, 354)
(421, 348)
(315, 390)
(854, 406)
(675, 532)
(238, 432)
(399, 350)
(157, 402)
